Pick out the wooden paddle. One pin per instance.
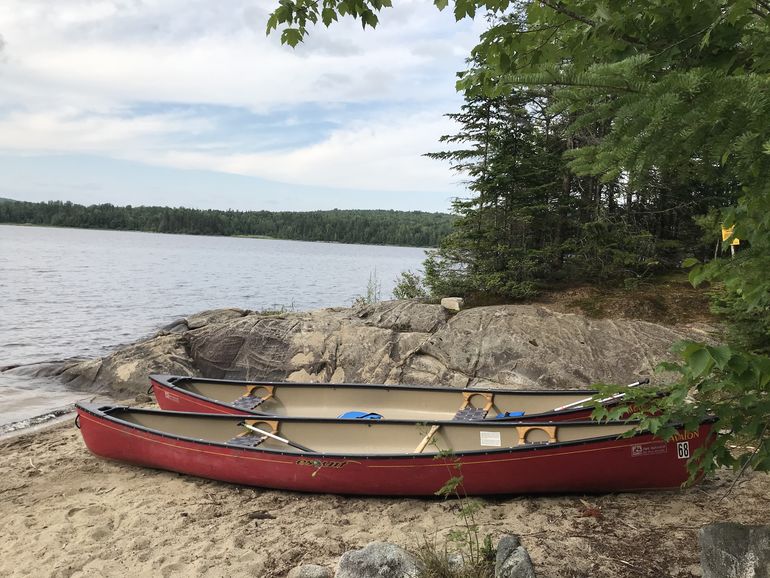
(580, 402)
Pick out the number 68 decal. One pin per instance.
(683, 450)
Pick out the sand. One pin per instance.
(65, 512)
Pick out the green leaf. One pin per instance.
(721, 355)
(464, 8)
(291, 36)
(689, 262)
(272, 23)
(441, 4)
(328, 15)
(369, 18)
(700, 362)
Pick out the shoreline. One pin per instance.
(51, 418)
(67, 513)
(36, 424)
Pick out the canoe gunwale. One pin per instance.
(101, 413)
(163, 381)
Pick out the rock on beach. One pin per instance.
(395, 342)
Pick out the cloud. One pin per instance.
(197, 84)
(381, 154)
(71, 131)
(104, 51)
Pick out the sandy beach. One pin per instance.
(68, 513)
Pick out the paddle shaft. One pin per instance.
(605, 400)
(277, 438)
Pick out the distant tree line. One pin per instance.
(376, 227)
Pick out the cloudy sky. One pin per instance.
(187, 102)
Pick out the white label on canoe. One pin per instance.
(490, 438)
(683, 450)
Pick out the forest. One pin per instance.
(404, 228)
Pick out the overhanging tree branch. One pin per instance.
(562, 9)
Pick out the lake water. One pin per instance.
(76, 292)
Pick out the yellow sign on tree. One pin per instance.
(727, 233)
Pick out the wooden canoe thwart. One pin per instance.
(326, 400)
(392, 457)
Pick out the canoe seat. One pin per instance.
(248, 402)
(470, 413)
(249, 440)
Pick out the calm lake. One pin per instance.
(77, 292)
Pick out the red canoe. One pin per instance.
(398, 458)
(325, 400)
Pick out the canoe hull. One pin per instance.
(627, 464)
(173, 398)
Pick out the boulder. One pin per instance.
(310, 571)
(512, 560)
(403, 316)
(360, 345)
(523, 346)
(452, 303)
(213, 316)
(534, 347)
(125, 371)
(731, 550)
(377, 560)
(176, 326)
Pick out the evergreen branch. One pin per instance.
(564, 83)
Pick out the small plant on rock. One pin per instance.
(373, 291)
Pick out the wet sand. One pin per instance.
(68, 513)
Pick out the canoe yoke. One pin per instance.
(249, 400)
(468, 395)
(523, 431)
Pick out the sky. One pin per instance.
(189, 103)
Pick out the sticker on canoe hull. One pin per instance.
(649, 449)
(490, 438)
(683, 450)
